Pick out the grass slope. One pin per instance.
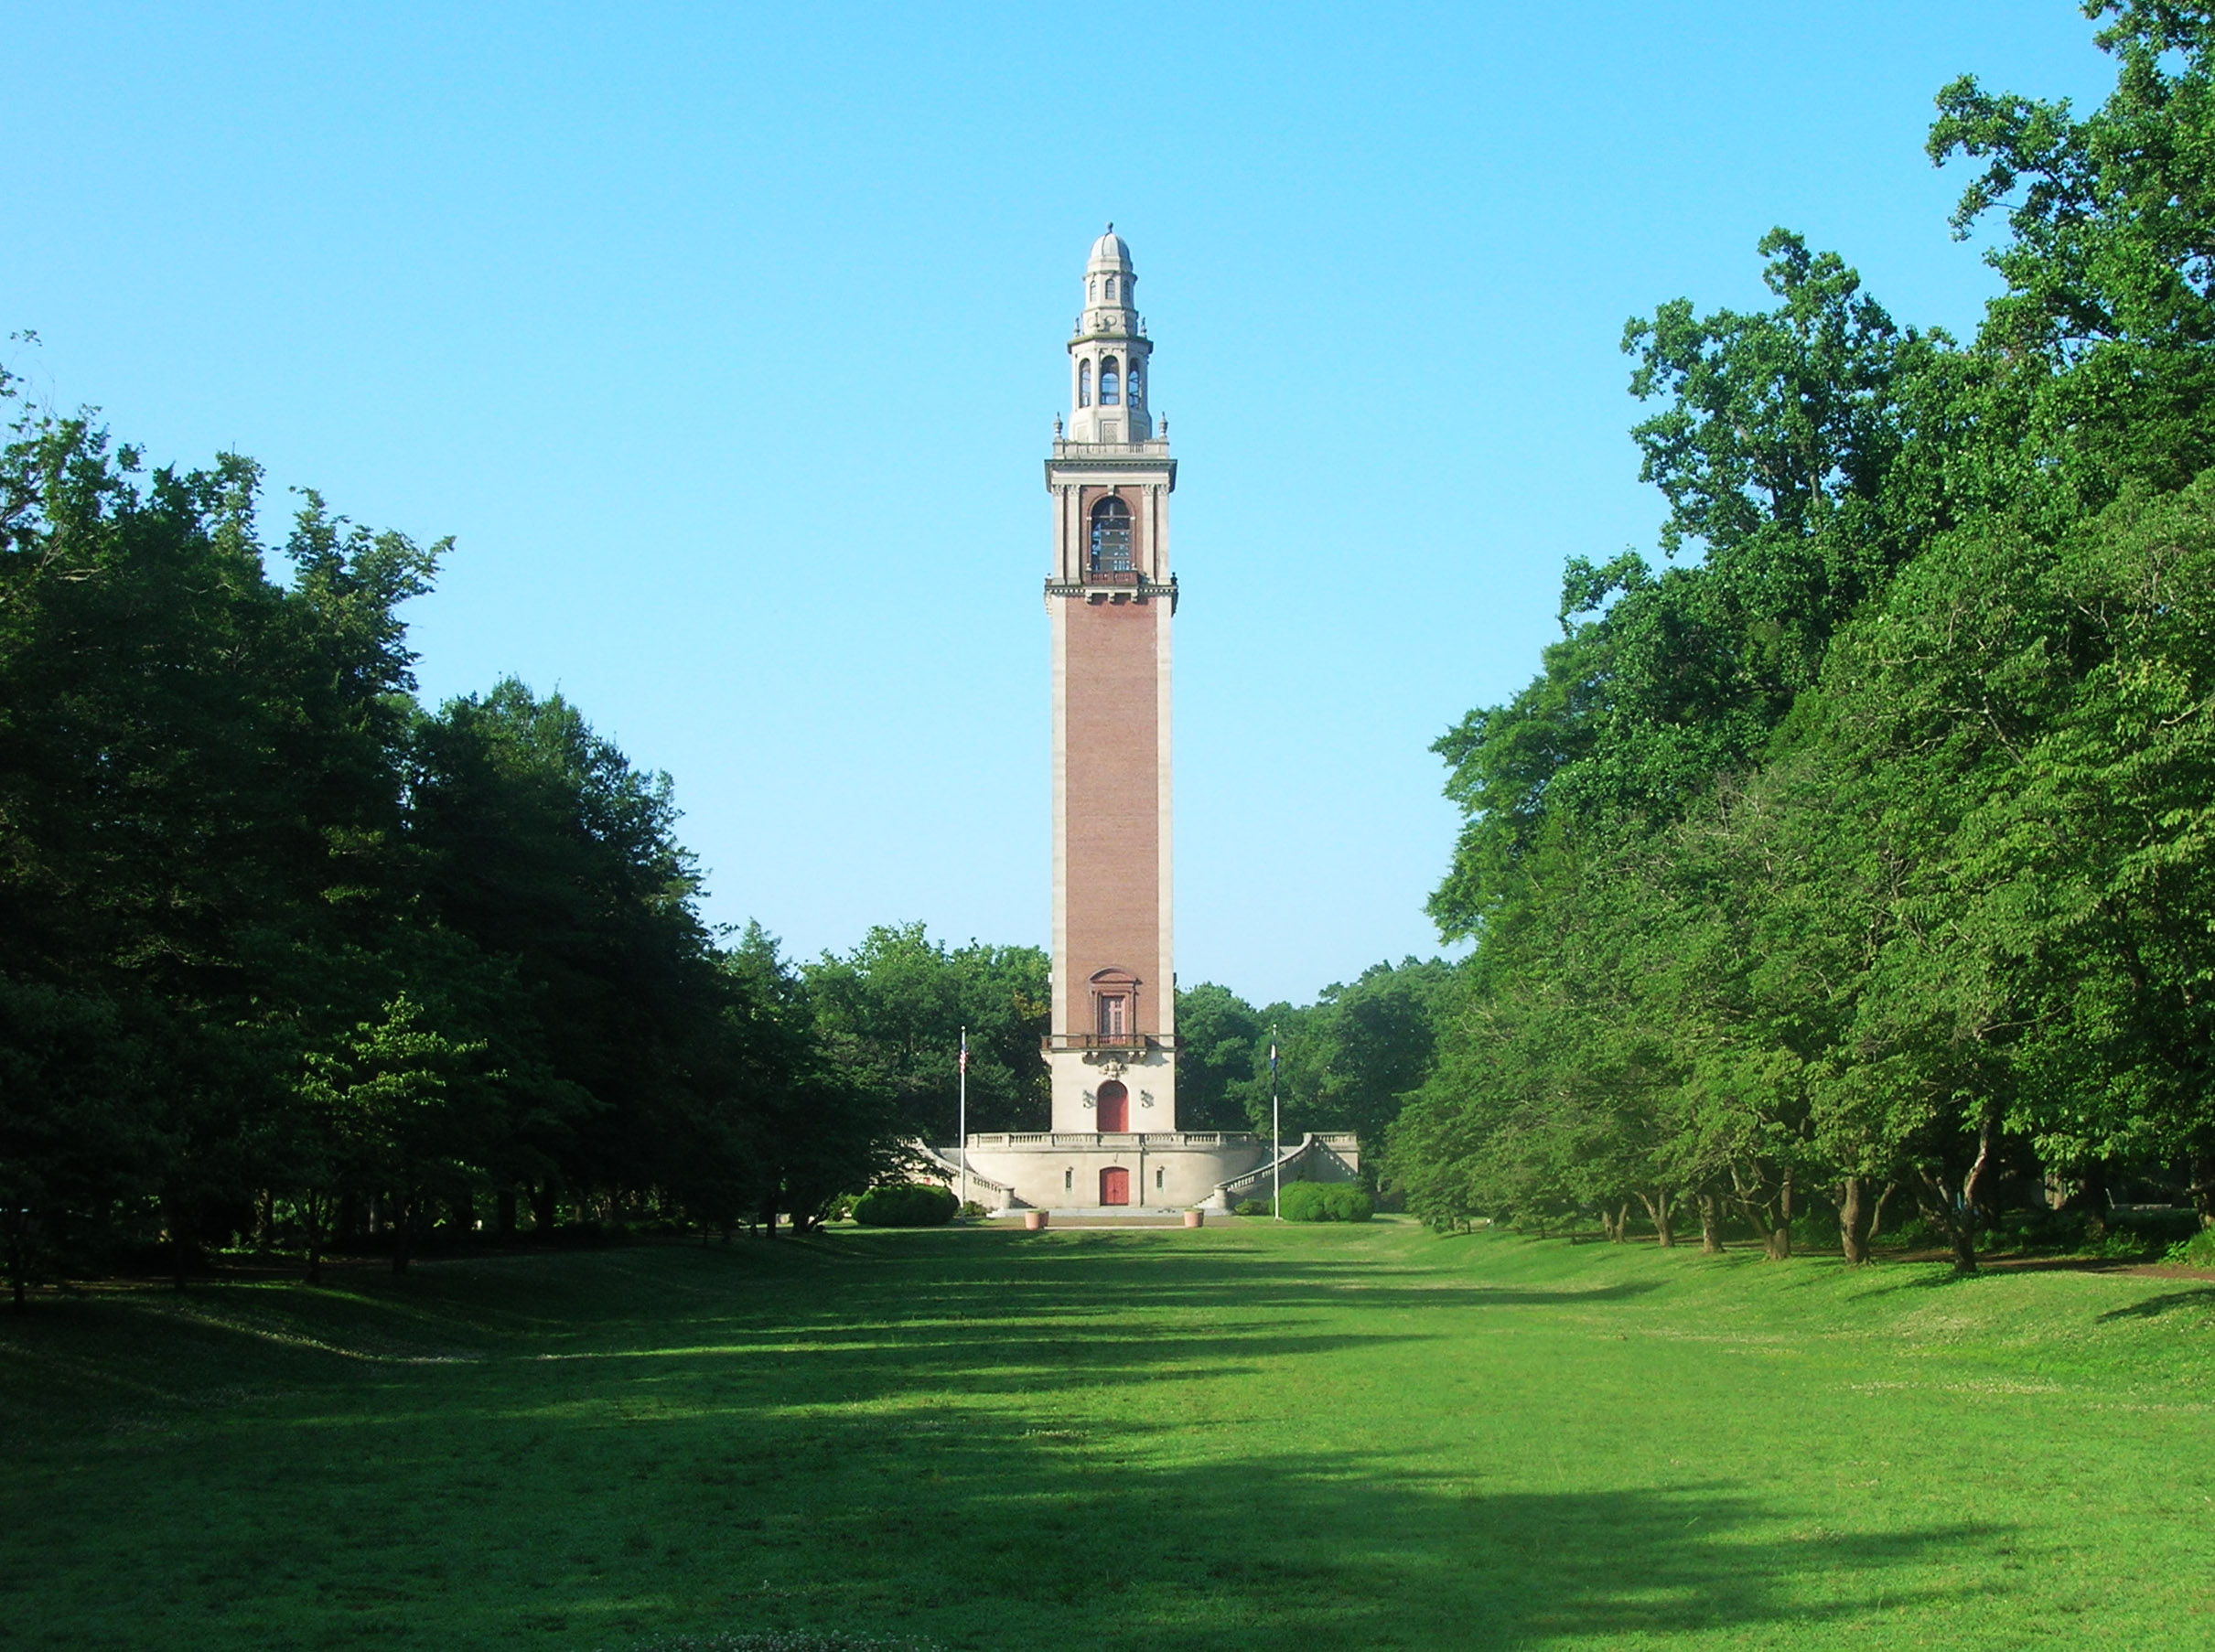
(1312, 1437)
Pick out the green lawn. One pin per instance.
(1252, 1435)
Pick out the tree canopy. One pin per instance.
(1860, 846)
(282, 950)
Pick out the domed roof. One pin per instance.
(1109, 252)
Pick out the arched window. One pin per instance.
(1110, 536)
(1110, 289)
(1095, 292)
(1110, 388)
(1084, 385)
(1134, 389)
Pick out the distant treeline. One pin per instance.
(1872, 846)
(1344, 1062)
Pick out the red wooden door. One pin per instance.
(1113, 1106)
(1114, 1186)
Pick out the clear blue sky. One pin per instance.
(727, 342)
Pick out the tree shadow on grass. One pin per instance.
(984, 1537)
(2169, 1301)
(983, 1529)
(716, 1442)
(1021, 1321)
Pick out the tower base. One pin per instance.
(1138, 1172)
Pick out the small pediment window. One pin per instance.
(1115, 1003)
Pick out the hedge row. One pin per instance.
(905, 1204)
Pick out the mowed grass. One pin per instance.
(1250, 1435)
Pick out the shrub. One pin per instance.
(2157, 1229)
(1328, 1202)
(905, 1204)
(1252, 1207)
(2199, 1251)
(972, 1212)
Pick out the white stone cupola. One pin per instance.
(1108, 369)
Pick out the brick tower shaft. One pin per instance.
(1110, 601)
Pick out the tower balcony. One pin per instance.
(1130, 1043)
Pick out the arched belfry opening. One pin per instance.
(1111, 393)
(1110, 547)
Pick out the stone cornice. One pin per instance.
(1107, 458)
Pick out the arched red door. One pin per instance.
(1116, 1186)
(1113, 1104)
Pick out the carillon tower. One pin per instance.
(1109, 601)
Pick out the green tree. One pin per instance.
(199, 793)
(892, 1010)
(1218, 1034)
(379, 1113)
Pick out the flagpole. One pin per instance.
(962, 1129)
(1276, 1140)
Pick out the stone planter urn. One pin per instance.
(1033, 1220)
(1194, 1219)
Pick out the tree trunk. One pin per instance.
(177, 1219)
(1973, 1187)
(1853, 1222)
(2203, 1187)
(1876, 1216)
(1711, 1226)
(1658, 1210)
(265, 1218)
(312, 1206)
(403, 1224)
(544, 1209)
(18, 1256)
(1774, 1229)
(769, 1215)
(503, 1213)
(461, 1212)
(2091, 1199)
(1955, 1209)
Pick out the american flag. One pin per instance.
(964, 1062)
